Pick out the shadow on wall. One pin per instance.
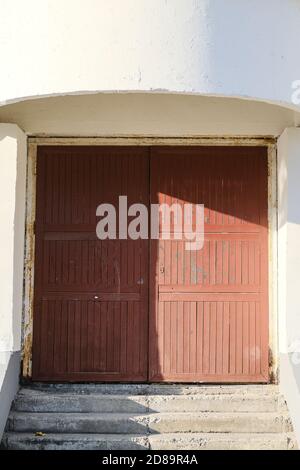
(9, 383)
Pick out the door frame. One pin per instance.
(35, 142)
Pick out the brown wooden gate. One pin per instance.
(209, 311)
(206, 318)
(91, 296)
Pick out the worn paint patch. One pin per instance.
(29, 262)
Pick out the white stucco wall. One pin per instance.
(12, 216)
(222, 48)
(245, 48)
(289, 269)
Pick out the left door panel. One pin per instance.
(91, 296)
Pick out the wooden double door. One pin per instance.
(149, 310)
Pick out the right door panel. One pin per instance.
(209, 308)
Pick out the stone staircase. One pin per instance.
(177, 417)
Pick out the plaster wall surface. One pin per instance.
(230, 48)
(12, 217)
(289, 269)
(147, 114)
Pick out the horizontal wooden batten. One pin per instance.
(70, 235)
(92, 296)
(89, 233)
(217, 288)
(207, 296)
(94, 376)
(217, 230)
(213, 378)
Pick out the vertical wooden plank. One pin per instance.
(219, 261)
(43, 307)
(180, 263)
(251, 263)
(64, 341)
(50, 337)
(200, 337)
(71, 337)
(77, 337)
(206, 338)
(136, 320)
(174, 261)
(238, 262)
(180, 338)
(97, 330)
(187, 266)
(186, 337)
(167, 338)
(91, 327)
(174, 339)
(206, 264)
(232, 338)
(124, 337)
(239, 337)
(246, 342)
(84, 340)
(245, 262)
(193, 347)
(226, 338)
(213, 338)
(258, 350)
(252, 339)
(219, 337)
(225, 262)
(232, 262)
(130, 344)
(212, 261)
(167, 266)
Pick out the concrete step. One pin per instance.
(178, 441)
(152, 389)
(58, 402)
(148, 416)
(119, 423)
(223, 441)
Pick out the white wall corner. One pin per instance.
(12, 213)
(289, 269)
